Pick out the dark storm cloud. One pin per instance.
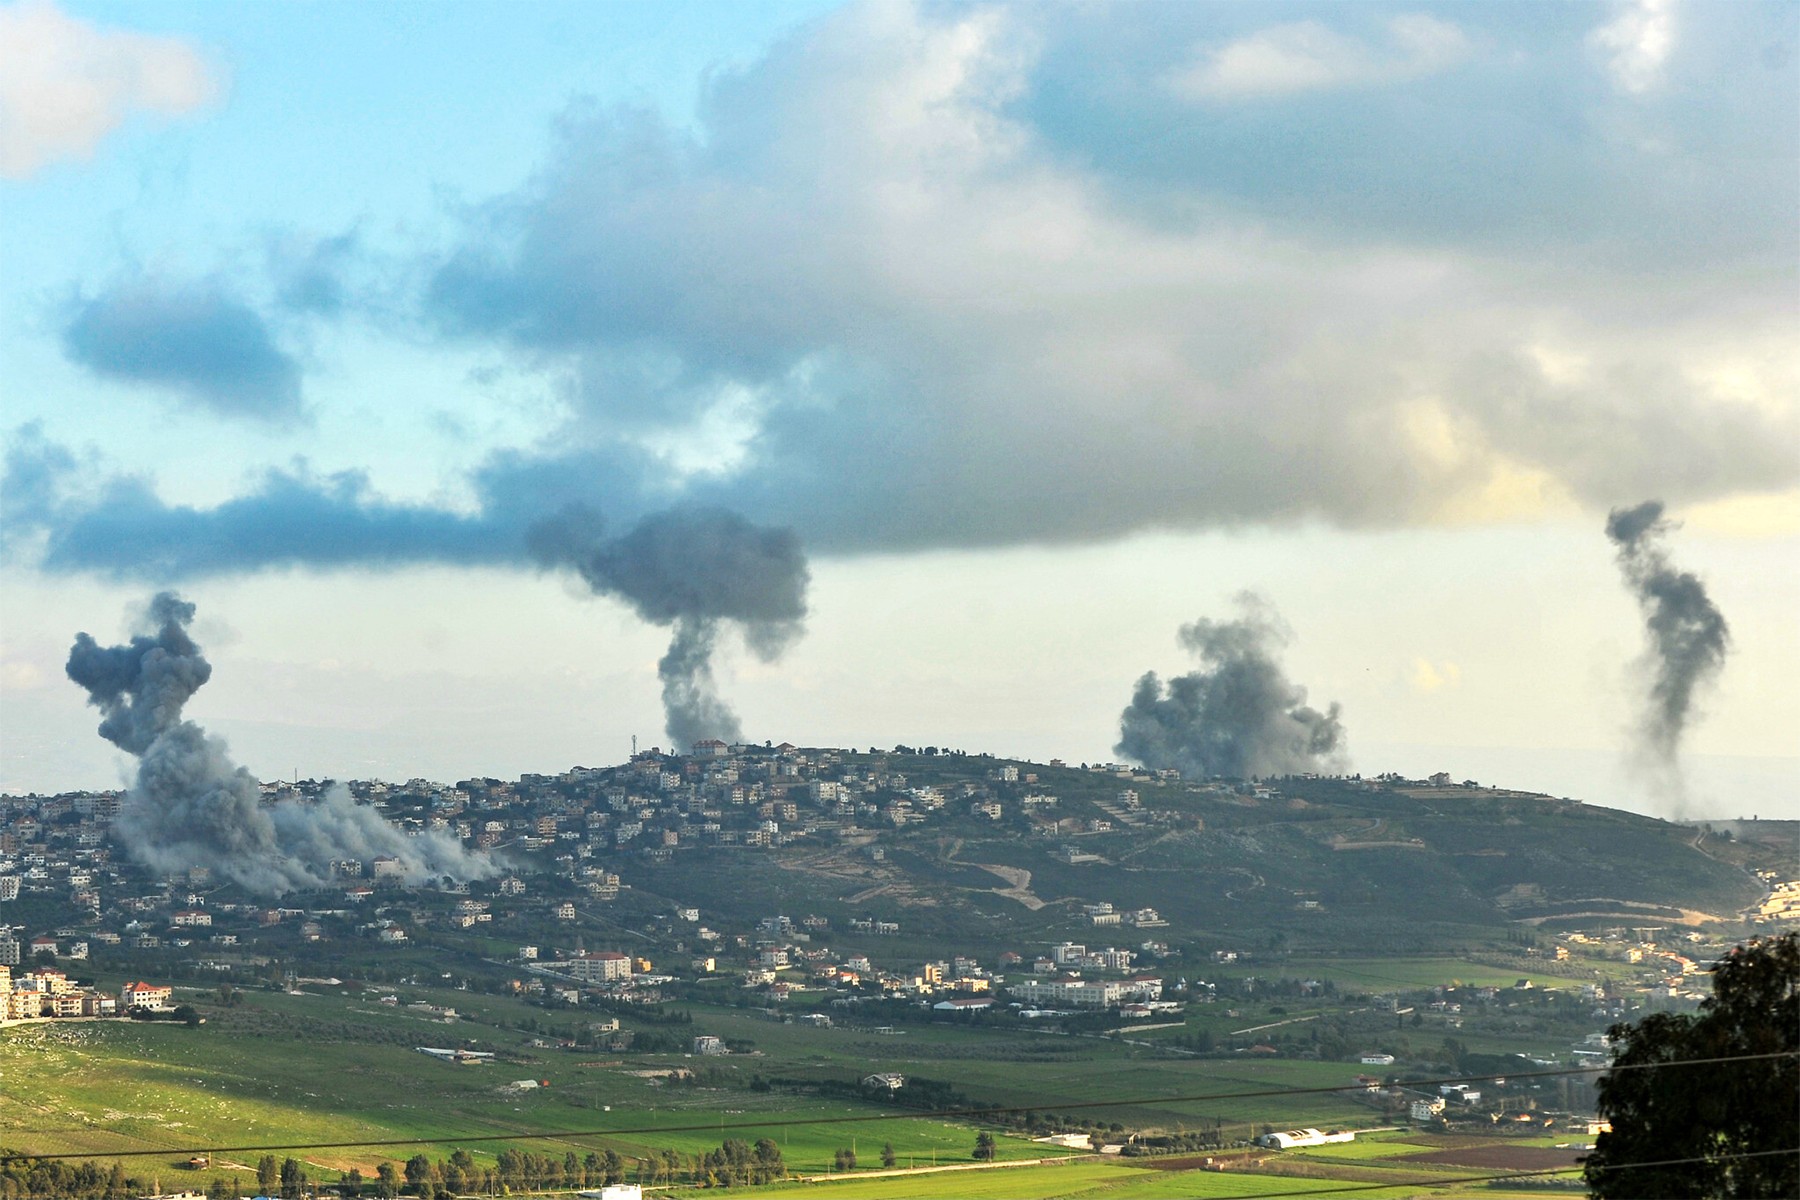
(1237, 715)
(191, 806)
(118, 526)
(196, 341)
(980, 276)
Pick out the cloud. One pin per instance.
(1428, 676)
(65, 84)
(1637, 44)
(1307, 56)
(910, 305)
(311, 275)
(197, 341)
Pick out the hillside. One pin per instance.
(1315, 860)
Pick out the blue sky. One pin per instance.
(1045, 328)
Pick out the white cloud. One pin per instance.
(1428, 676)
(1307, 56)
(65, 84)
(1637, 44)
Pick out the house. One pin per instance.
(144, 996)
(614, 1191)
(1377, 1060)
(706, 1043)
(891, 1081)
(962, 1004)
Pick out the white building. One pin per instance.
(599, 966)
(1303, 1137)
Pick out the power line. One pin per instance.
(864, 1118)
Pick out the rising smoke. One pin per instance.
(694, 569)
(191, 806)
(1237, 716)
(1687, 636)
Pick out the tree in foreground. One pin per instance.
(984, 1146)
(1717, 1129)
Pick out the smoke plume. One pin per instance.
(1237, 716)
(694, 569)
(1687, 636)
(191, 806)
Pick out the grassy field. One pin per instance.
(1090, 1180)
(338, 1065)
(1393, 974)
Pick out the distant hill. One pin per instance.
(1383, 863)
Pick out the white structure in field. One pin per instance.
(1303, 1137)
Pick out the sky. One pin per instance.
(966, 353)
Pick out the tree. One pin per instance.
(888, 1157)
(387, 1181)
(352, 1182)
(266, 1175)
(293, 1180)
(984, 1146)
(766, 1165)
(116, 1185)
(1703, 1120)
(844, 1160)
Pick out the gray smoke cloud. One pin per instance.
(1687, 635)
(695, 569)
(1238, 715)
(191, 806)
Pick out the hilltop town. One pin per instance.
(753, 925)
(597, 888)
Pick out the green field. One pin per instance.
(1088, 1180)
(338, 1066)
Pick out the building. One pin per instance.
(1293, 1138)
(962, 1004)
(891, 1081)
(599, 966)
(144, 996)
(706, 1043)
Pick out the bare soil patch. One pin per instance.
(1498, 1156)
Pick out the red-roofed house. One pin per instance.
(144, 996)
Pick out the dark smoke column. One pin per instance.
(694, 569)
(191, 806)
(1238, 716)
(1687, 635)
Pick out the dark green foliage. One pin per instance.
(1712, 1114)
(984, 1146)
(57, 1180)
(293, 1180)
